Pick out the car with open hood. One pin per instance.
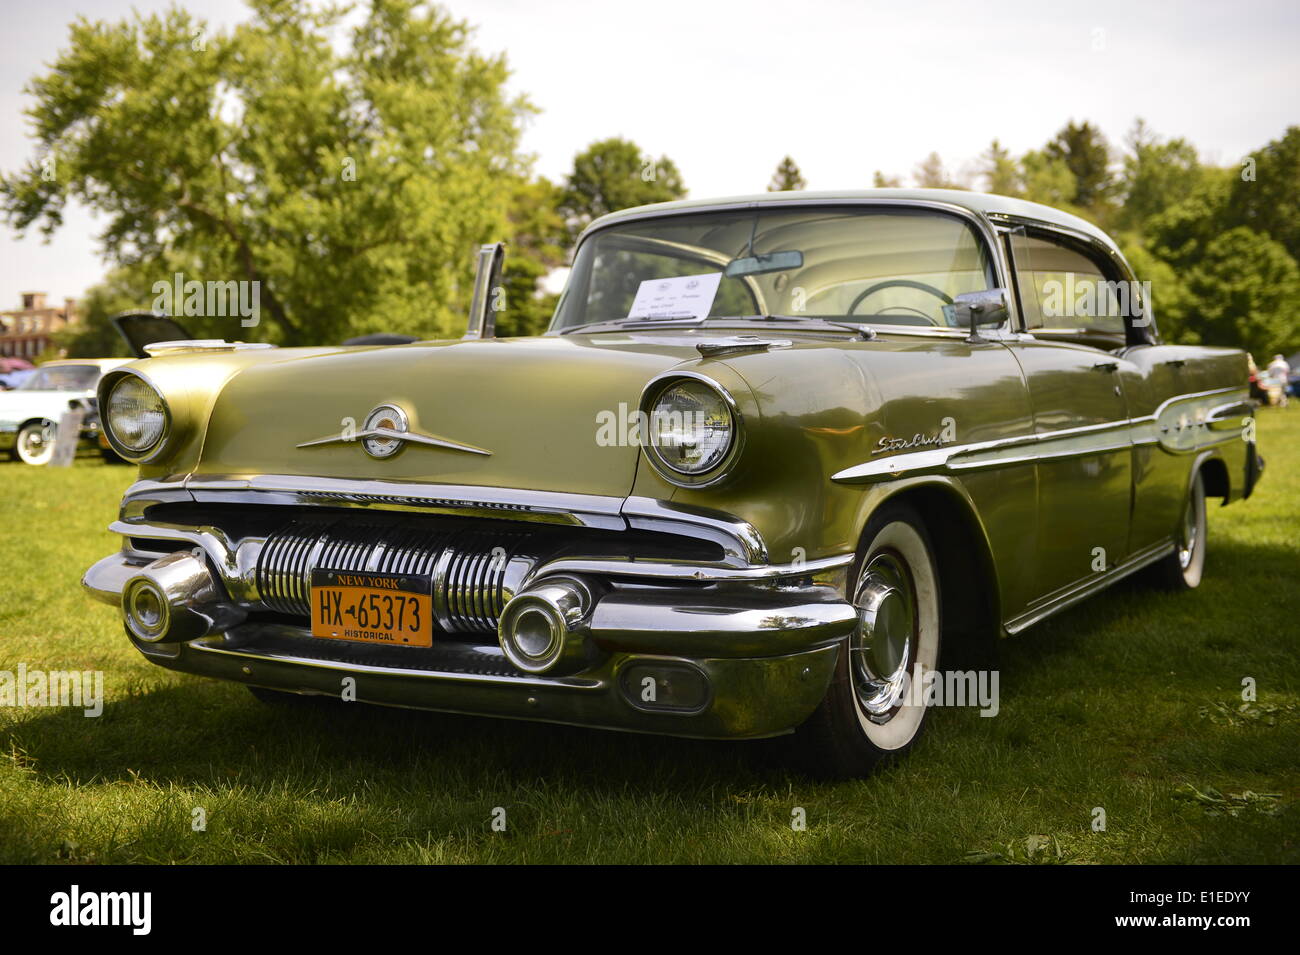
(777, 461)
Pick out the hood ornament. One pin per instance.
(386, 431)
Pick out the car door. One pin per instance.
(1069, 353)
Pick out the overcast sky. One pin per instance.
(727, 89)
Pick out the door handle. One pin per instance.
(1176, 362)
(1105, 366)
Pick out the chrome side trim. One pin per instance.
(1084, 589)
(1158, 427)
(684, 570)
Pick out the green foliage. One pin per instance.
(1157, 175)
(1000, 171)
(787, 177)
(1047, 179)
(1218, 246)
(537, 246)
(614, 174)
(931, 174)
(1242, 292)
(353, 185)
(1085, 152)
(1267, 197)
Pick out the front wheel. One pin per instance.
(873, 708)
(35, 443)
(1182, 569)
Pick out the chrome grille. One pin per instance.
(472, 572)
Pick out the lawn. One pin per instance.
(1130, 703)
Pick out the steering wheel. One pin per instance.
(902, 283)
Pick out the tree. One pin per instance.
(1242, 293)
(537, 246)
(1181, 233)
(1048, 180)
(880, 181)
(614, 174)
(1086, 154)
(787, 177)
(352, 185)
(931, 174)
(1157, 175)
(1000, 170)
(1266, 198)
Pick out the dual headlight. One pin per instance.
(692, 430)
(134, 416)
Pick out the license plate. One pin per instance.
(371, 608)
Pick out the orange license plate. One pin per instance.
(372, 608)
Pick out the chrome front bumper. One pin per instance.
(747, 659)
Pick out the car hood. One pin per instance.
(536, 405)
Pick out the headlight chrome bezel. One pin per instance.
(109, 384)
(719, 472)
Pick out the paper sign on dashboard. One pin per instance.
(687, 296)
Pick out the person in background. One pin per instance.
(1280, 372)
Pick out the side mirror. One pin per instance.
(482, 318)
(974, 309)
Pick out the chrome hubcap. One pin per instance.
(34, 442)
(883, 647)
(1191, 527)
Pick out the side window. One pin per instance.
(1062, 289)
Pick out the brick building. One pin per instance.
(25, 332)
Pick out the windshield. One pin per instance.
(63, 378)
(889, 267)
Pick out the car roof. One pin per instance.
(980, 203)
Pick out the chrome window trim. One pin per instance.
(981, 222)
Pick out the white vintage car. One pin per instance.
(29, 415)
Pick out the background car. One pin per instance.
(29, 415)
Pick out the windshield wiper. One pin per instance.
(862, 331)
(640, 324)
(634, 323)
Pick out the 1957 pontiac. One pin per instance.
(775, 458)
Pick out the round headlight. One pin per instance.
(691, 428)
(136, 416)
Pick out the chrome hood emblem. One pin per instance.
(386, 431)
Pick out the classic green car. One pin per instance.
(773, 456)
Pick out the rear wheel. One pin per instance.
(1182, 569)
(871, 710)
(35, 443)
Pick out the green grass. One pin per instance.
(1129, 703)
